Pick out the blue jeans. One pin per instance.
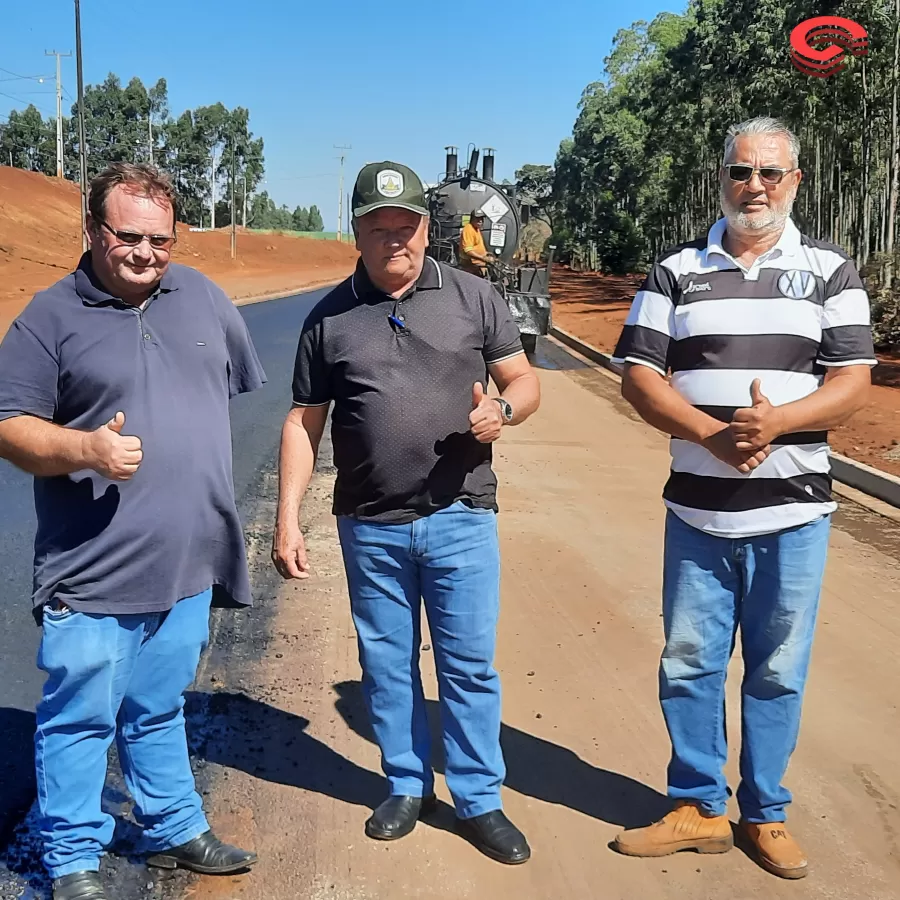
(119, 677)
(769, 585)
(450, 559)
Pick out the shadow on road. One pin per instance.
(539, 769)
(17, 784)
(239, 732)
(236, 731)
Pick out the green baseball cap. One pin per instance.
(387, 184)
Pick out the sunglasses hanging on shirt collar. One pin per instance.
(398, 322)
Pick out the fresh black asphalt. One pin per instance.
(256, 426)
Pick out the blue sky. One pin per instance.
(396, 80)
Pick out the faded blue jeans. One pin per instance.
(451, 560)
(123, 678)
(769, 586)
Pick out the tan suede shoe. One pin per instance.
(685, 828)
(774, 849)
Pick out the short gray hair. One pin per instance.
(762, 125)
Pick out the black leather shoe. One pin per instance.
(205, 854)
(397, 816)
(495, 836)
(79, 886)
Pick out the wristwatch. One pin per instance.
(505, 410)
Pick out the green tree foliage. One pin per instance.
(316, 222)
(534, 184)
(28, 142)
(264, 213)
(199, 148)
(640, 171)
(302, 219)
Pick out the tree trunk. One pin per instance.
(840, 236)
(818, 186)
(894, 160)
(865, 238)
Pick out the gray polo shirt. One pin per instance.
(77, 355)
(400, 374)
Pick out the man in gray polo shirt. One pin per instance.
(114, 389)
(403, 350)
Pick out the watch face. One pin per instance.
(505, 409)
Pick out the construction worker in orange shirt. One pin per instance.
(473, 255)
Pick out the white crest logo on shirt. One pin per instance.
(693, 287)
(796, 284)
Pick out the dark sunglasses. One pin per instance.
(767, 174)
(132, 238)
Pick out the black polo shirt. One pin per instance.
(77, 355)
(402, 390)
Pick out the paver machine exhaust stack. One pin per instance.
(524, 286)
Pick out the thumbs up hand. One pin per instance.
(485, 420)
(110, 453)
(755, 427)
(116, 423)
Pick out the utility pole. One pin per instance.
(233, 208)
(340, 217)
(59, 117)
(212, 192)
(82, 147)
(244, 218)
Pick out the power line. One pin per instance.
(39, 78)
(16, 75)
(20, 100)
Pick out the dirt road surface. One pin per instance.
(284, 739)
(40, 242)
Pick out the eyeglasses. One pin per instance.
(767, 174)
(133, 239)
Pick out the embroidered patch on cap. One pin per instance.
(389, 183)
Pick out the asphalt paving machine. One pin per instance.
(524, 286)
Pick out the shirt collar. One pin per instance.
(429, 279)
(92, 292)
(788, 244)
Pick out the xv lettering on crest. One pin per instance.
(797, 284)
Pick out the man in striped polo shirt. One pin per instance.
(766, 335)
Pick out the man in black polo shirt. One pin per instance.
(403, 350)
(114, 389)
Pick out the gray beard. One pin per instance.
(772, 220)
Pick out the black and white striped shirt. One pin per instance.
(716, 326)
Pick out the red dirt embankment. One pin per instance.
(593, 307)
(40, 242)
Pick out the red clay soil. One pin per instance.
(593, 307)
(40, 242)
